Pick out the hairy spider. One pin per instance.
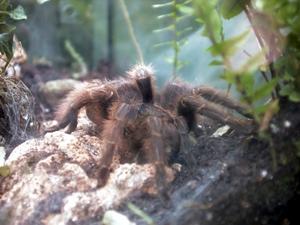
(140, 124)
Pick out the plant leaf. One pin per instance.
(294, 96)
(3, 8)
(286, 90)
(207, 13)
(247, 80)
(254, 62)
(229, 46)
(264, 90)
(6, 40)
(216, 63)
(231, 8)
(185, 9)
(229, 76)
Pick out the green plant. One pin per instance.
(176, 11)
(286, 15)
(275, 26)
(8, 16)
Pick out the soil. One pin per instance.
(236, 180)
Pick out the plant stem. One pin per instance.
(131, 32)
(249, 15)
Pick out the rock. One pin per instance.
(221, 131)
(54, 180)
(2, 155)
(53, 91)
(112, 217)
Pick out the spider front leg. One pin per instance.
(67, 112)
(114, 145)
(161, 143)
(117, 138)
(222, 98)
(197, 104)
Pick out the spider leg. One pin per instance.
(198, 104)
(112, 144)
(157, 150)
(97, 112)
(72, 126)
(107, 159)
(116, 142)
(222, 98)
(67, 112)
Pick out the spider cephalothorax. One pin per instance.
(139, 124)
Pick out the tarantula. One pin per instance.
(140, 124)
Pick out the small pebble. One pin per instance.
(112, 217)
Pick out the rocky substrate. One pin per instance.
(233, 179)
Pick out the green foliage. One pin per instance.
(275, 23)
(209, 17)
(231, 8)
(6, 40)
(286, 14)
(176, 12)
(228, 47)
(7, 18)
(291, 92)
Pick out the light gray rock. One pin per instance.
(112, 217)
(54, 180)
(53, 91)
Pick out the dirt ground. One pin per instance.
(234, 181)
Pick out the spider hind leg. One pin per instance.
(67, 112)
(198, 104)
